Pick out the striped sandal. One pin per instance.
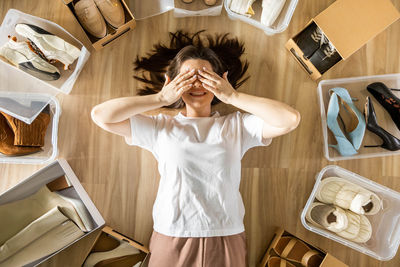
(293, 249)
(278, 262)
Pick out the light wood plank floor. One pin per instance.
(122, 181)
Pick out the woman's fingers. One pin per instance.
(184, 89)
(183, 76)
(208, 82)
(209, 74)
(188, 81)
(209, 88)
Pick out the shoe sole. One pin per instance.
(52, 46)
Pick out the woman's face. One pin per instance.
(197, 97)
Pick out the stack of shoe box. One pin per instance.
(338, 32)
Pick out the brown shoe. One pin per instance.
(7, 141)
(90, 18)
(112, 11)
(30, 134)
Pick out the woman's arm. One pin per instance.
(279, 118)
(113, 115)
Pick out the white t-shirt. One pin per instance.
(199, 160)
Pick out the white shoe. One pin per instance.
(53, 47)
(342, 193)
(357, 227)
(21, 55)
(271, 10)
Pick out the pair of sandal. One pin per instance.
(342, 209)
(289, 250)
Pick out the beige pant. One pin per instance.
(221, 251)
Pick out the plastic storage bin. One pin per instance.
(281, 23)
(385, 239)
(357, 88)
(13, 77)
(149, 8)
(49, 151)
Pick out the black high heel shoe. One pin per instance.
(390, 142)
(387, 99)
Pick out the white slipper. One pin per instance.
(342, 193)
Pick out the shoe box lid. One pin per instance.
(149, 8)
(351, 24)
(14, 80)
(53, 175)
(123, 238)
(328, 260)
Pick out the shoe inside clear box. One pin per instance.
(13, 79)
(280, 24)
(385, 239)
(26, 104)
(357, 88)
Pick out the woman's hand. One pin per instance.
(173, 90)
(219, 86)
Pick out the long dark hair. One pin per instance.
(222, 52)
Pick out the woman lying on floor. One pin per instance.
(198, 212)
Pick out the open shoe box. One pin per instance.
(281, 23)
(357, 88)
(123, 238)
(348, 25)
(385, 239)
(112, 34)
(45, 176)
(328, 261)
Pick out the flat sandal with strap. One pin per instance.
(295, 250)
(278, 262)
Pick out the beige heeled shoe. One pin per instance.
(342, 193)
(210, 2)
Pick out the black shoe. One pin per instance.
(310, 40)
(325, 58)
(387, 99)
(389, 141)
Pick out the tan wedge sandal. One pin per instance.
(278, 262)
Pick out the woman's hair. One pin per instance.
(222, 52)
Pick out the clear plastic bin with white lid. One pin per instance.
(49, 150)
(357, 88)
(280, 24)
(150, 8)
(385, 239)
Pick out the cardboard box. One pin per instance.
(123, 238)
(112, 34)
(328, 261)
(46, 175)
(348, 25)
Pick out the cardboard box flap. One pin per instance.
(329, 260)
(349, 24)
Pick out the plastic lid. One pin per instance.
(149, 8)
(14, 80)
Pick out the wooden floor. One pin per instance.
(122, 181)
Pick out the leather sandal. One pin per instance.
(293, 249)
(7, 146)
(278, 262)
(30, 134)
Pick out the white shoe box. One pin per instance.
(44, 176)
(385, 239)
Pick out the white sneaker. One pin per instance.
(21, 55)
(53, 47)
